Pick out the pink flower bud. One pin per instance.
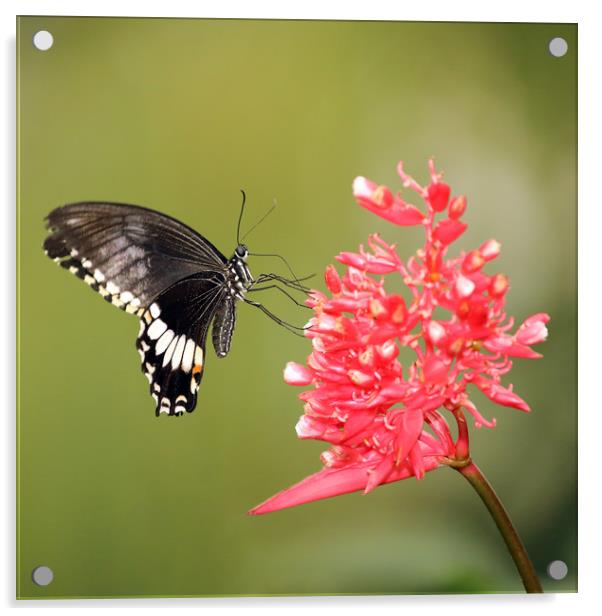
(436, 332)
(506, 345)
(332, 279)
(533, 330)
(377, 309)
(438, 196)
(499, 285)
(388, 350)
(464, 286)
(366, 358)
(457, 207)
(449, 230)
(380, 201)
(308, 427)
(297, 374)
(397, 309)
(361, 378)
(501, 395)
(490, 249)
(351, 258)
(473, 262)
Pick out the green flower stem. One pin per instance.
(516, 547)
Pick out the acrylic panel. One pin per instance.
(404, 367)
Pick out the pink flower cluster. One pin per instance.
(384, 421)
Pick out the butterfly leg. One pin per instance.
(291, 328)
(275, 286)
(291, 284)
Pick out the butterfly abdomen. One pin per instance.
(223, 327)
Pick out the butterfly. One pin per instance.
(172, 278)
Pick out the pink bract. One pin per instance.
(386, 422)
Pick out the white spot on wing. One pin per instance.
(188, 355)
(100, 277)
(198, 356)
(112, 288)
(169, 351)
(156, 329)
(126, 297)
(142, 327)
(164, 341)
(177, 354)
(155, 310)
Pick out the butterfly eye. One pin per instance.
(241, 251)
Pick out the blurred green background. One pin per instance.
(178, 115)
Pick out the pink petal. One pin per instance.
(410, 427)
(351, 258)
(358, 420)
(380, 201)
(464, 286)
(457, 206)
(436, 332)
(336, 481)
(362, 379)
(507, 346)
(378, 265)
(434, 369)
(490, 249)
(501, 395)
(438, 195)
(379, 474)
(323, 484)
(533, 330)
(449, 230)
(297, 374)
(479, 419)
(310, 427)
(333, 280)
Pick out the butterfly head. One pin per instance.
(242, 252)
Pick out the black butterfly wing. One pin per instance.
(152, 265)
(129, 254)
(173, 333)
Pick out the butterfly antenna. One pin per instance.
(242, 209)
(260, 254)
(260, 220)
